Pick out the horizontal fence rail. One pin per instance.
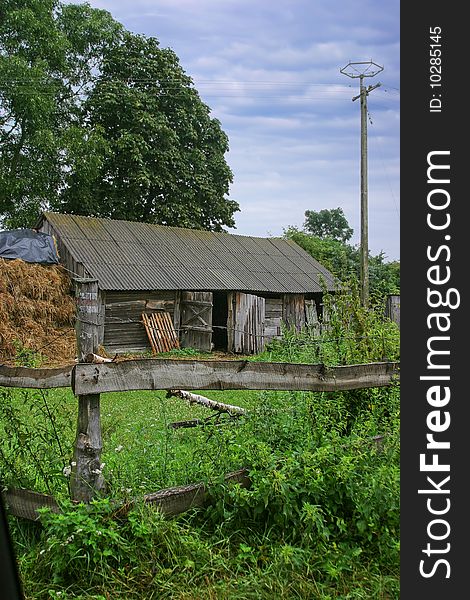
(25, 503)
(161, 374)
(170, 501)
(165, 374)
(24, 377)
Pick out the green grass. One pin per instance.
(252, 543)
(320, 520)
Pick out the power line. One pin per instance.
(385, 170)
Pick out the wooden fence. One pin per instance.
(392, 308)
(89, 380)
(166, 374)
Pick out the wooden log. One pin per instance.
(176, 500)
(96, 359)
(186, 424)
(207, 402)
(168, 374)
(24, 377)
(24, 503)
(87, 480)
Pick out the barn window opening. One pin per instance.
(219, 320)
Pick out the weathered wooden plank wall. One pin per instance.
(293, 311)
(124, 330)
(246, 323)
(276, 308)
(273, 318)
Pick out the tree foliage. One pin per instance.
(97, 120)
(153, 151)
(328, 224)
(343, 260)
(48, 53)
(28, 105)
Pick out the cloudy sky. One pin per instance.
(270, 72)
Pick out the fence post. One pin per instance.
(392, 308)
(87, 480)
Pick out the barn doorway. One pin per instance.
(196, 320)
(219, 320)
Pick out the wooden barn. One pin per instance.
(223, 291)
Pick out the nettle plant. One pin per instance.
(354, 333)
(36, 432)
(36, 429)
(81, 539)
(324, 466)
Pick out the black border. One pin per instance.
(422, 132)
(10, 585)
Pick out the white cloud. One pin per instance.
(270, 71)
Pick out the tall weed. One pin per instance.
(320, 519)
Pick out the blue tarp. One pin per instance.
(29, 245)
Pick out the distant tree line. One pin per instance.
(325, 236)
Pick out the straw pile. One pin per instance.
(37, 312)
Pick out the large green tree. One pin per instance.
(150, 149)
(96, 120)
(48, 53)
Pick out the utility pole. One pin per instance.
(362, 70)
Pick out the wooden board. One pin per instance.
(24, 377)
(160, 331)
(24, 503)
(167, 374)
(246, 323)
(196, 320)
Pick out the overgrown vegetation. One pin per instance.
(320, 519)
(325, 235)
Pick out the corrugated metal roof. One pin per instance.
(128, 255)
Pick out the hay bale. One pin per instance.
(37, 311)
